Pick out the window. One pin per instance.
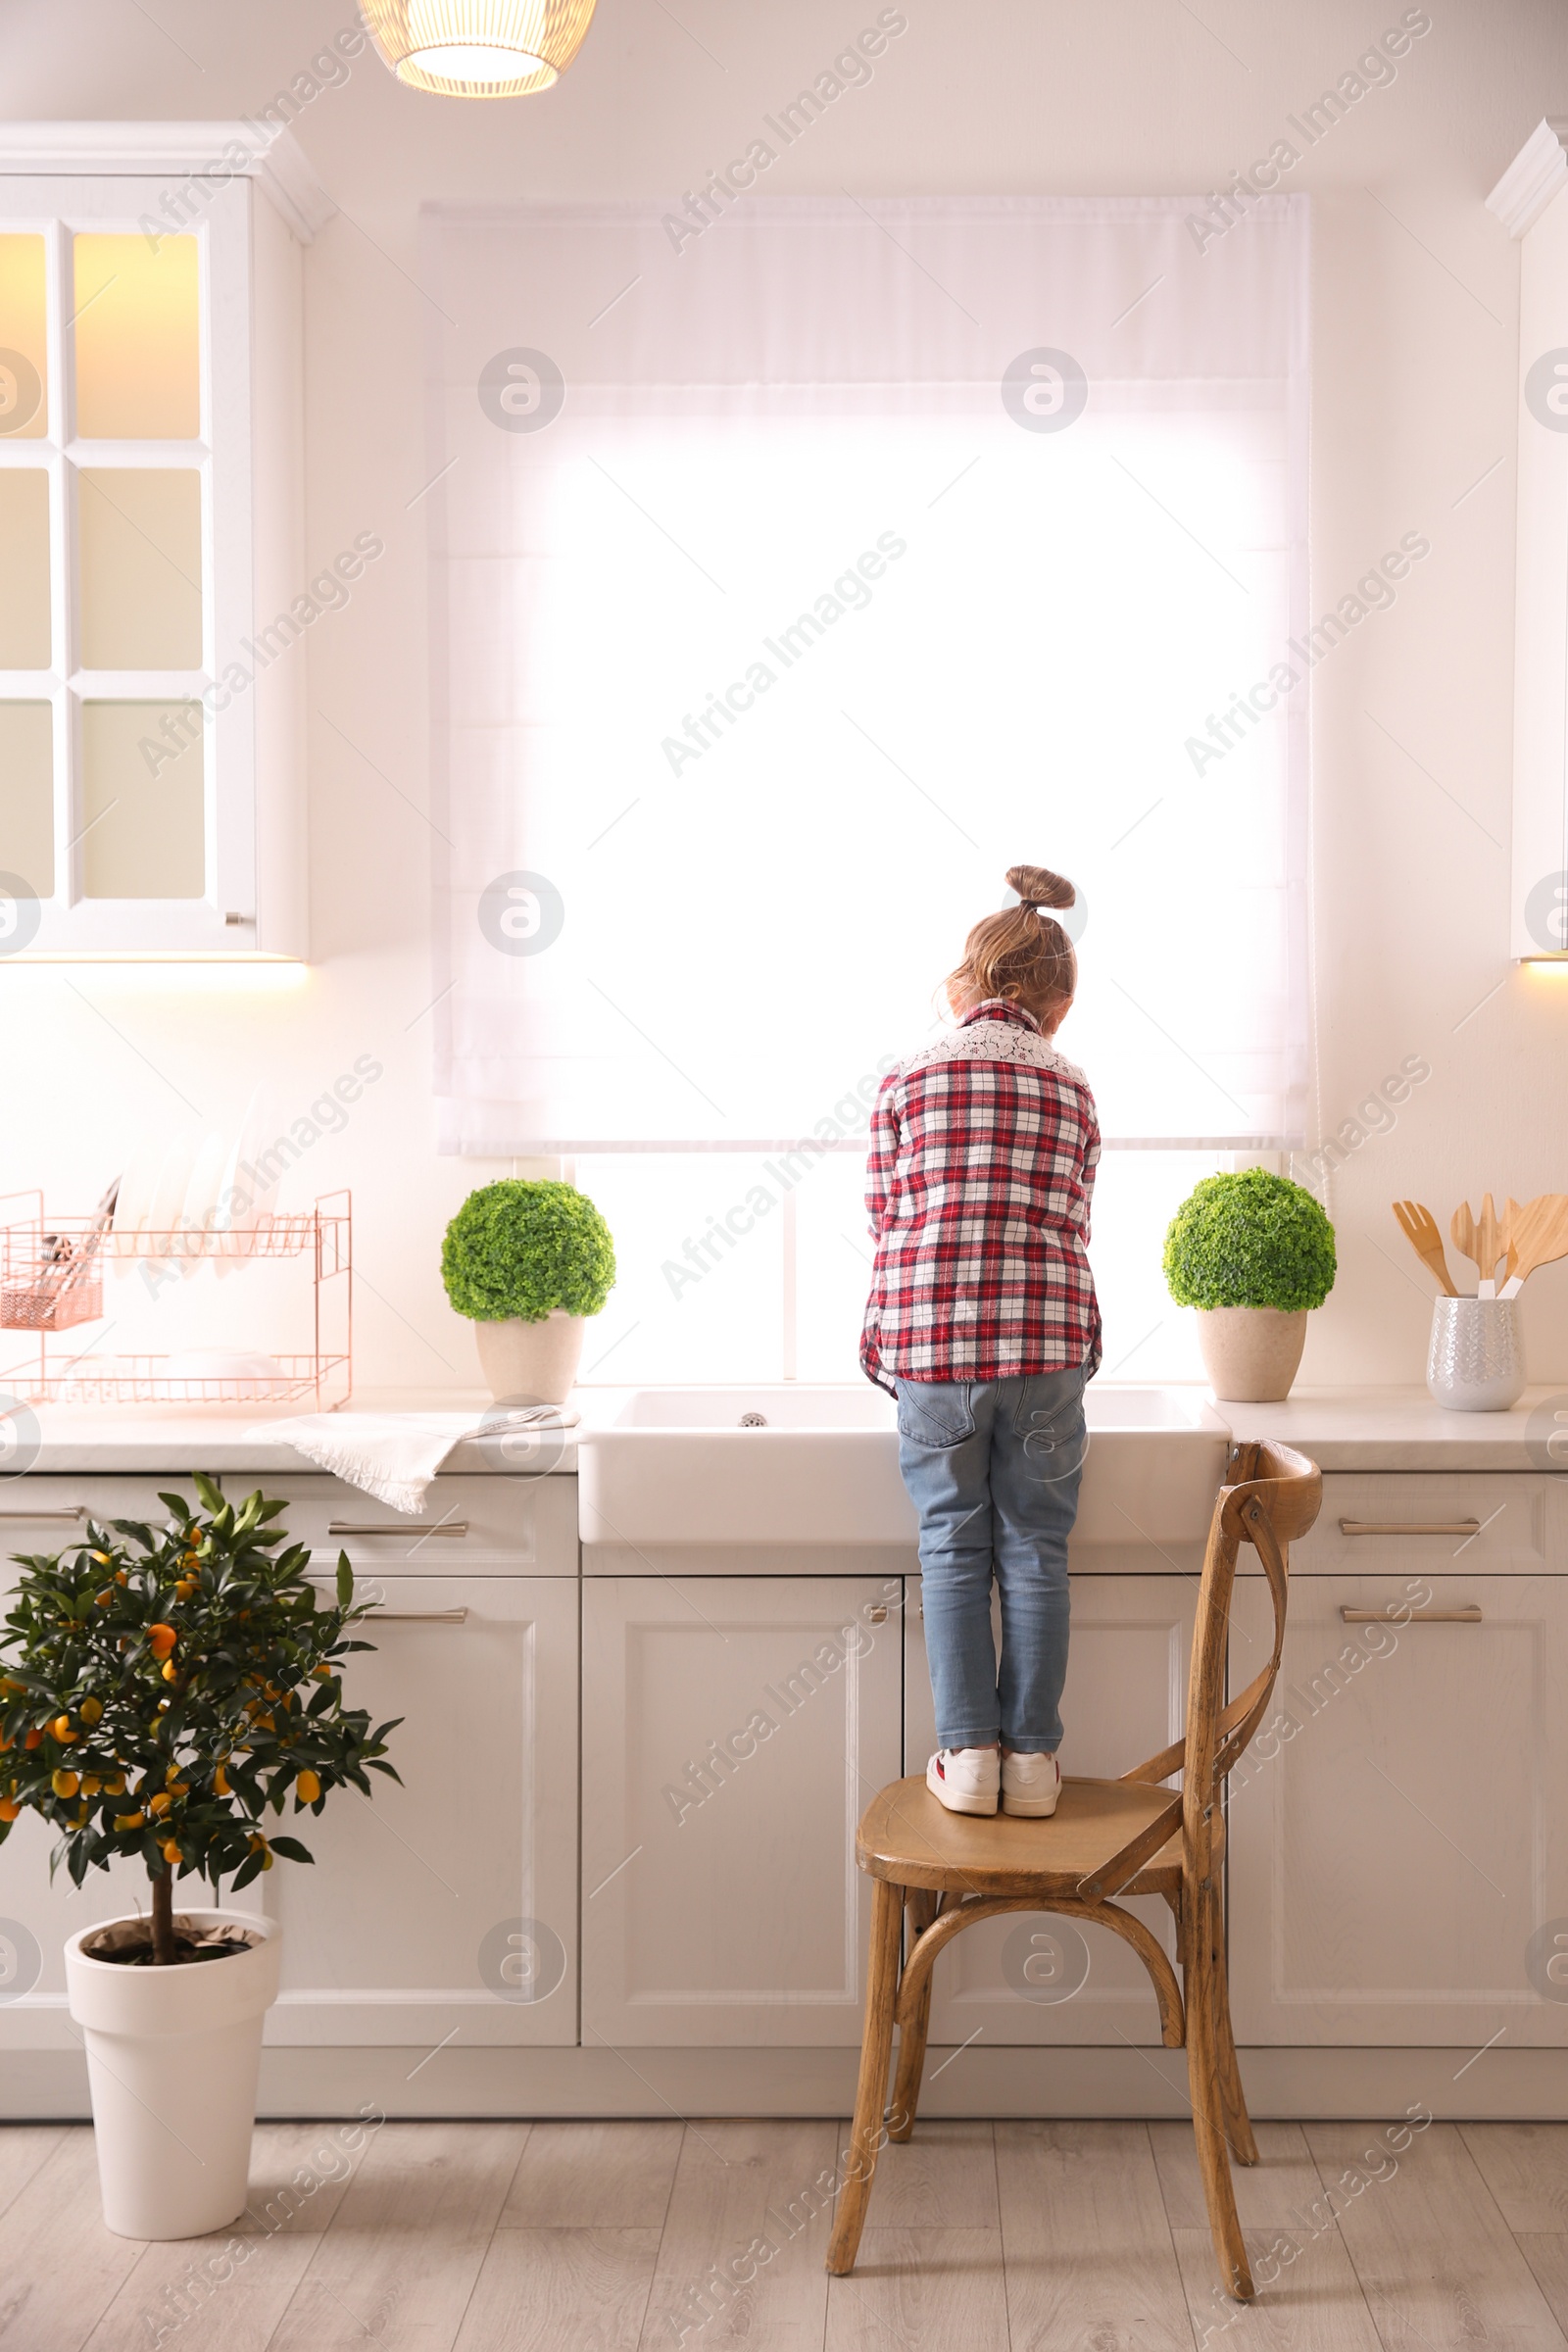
(836, 564)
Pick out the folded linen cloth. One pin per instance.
(394, 1457)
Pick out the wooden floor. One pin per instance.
(605, 2238)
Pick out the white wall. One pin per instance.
(1415, 309)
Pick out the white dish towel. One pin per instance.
(392, 1457)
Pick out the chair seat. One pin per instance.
(908, 1836)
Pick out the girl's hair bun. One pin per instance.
(1036, 886)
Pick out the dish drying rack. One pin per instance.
(52, 1280)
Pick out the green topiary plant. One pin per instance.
(522, 1249)
(152, 1703)
(1250, 1240)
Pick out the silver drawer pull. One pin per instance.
(1410, 1527)
(1470, 1614)
(391, 1526)
(877, 1616)
(420, 1616)
(73, 1512)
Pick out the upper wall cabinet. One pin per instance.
(152, 774)
(1531, 200)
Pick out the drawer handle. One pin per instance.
(73, 1512)
(876, 1616)
(420, 1616)
(1410, 1527)
(1470, 1614)
(390, 1527)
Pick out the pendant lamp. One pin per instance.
(477, 48)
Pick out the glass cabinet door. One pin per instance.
(126, 763)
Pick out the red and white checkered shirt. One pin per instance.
(983, 1148)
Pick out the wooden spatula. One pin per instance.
(1490, 1243)
(1542, 1237)
(1463, 1234)
(1420, 1228)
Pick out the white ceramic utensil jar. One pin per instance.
(1476, 1362)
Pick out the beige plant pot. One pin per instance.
(533, 1361)
(1251, 1353)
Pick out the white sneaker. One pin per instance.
(965, 1779)
(1030, 1786)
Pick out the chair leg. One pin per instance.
(876, 2048)
(922, 1910)
(1209, 2122)
(1238, 2124)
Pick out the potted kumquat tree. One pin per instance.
(162, 1692)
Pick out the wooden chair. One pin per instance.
(1106, 1839)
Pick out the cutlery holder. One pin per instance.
(1476, 1362)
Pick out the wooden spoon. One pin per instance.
(1541, 1238)
(1420, 1228)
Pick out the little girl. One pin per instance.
(983, 1322)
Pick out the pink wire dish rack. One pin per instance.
(52, 1280)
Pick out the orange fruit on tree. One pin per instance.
(62, 1731)
(172, 1852)
(161, 1640)
(221, 1783)
(90, 1784)
(106, 1596)
(161, 1802)
(64, 1784)
(92, 1710)
(309, 1786)
(171, 1671)
(9, 1808)
(130, 1821)
(34, 1738)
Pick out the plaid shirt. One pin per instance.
(983, 1155)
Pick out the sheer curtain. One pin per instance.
(793, 582)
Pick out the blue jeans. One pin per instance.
(993, 1468)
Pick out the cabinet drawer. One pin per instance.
(468, 1522)
(1434, 1523)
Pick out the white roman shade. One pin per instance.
(796, 575)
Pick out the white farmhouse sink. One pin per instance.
(800, 1464)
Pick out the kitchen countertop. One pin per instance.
(1401, 1429)
(1340, 1429)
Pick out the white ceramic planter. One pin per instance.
(1251, 1353)
(173, 2055)
(535, 1362)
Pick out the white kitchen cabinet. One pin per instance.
(733, 1735)
(1126, 1698)
(158, 593)
(411, 1926)
(1399, 1837)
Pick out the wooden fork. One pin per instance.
(1420, 1228)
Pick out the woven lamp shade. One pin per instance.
(477, 48)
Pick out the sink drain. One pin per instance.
(753, 1421)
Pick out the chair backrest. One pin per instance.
(1271, 1496)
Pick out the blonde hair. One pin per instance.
(1022, 954)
